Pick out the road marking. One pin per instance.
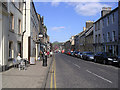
(53, 76)
(99, 76)
(51, 84)
(76, 65)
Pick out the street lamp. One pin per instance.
(40, 35)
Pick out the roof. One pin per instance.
(107, 14)
(90, 31)
(84, 32)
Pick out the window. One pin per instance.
(96, 39)
(113, 36)
(104, 39)
(19, 48)
(95, 26)
(103, 23)
(108, 37)
(99, 38)
(107, 20)
(19, 26)
(98, 25)
(10, 49)
(11, 21)
(113, 18)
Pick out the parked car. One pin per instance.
(71, 53)
(105, 58)
(79, 55)
(88, 56)
(118, 59)
(68, 53)
(76, 53)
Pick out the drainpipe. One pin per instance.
(2, 43)
(25, 28)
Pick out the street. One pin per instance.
(71, 72)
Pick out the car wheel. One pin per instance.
(110, 63)
(119, 64)
(95, 60)
(104, 61)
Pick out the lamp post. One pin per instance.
(44, 53)
(40, 37)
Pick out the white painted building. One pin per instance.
(11, 32)
(30, 48)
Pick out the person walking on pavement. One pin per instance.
(45, 58)
(19, 60)
(51, 53)
(48, 53)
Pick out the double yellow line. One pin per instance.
(53, 75)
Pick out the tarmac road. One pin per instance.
(70, 72)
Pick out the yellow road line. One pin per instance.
(54, 74)
(51, 84)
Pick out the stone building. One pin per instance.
(89, 40)
(67, 46)
(82, 36)
(72, 40)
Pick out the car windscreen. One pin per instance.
(90, 53)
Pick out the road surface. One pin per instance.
(70, 72)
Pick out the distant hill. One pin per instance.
(56, 44)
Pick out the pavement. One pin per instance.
(34, 77)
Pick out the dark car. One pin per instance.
(76, 53)
(105, 58)
(88, 56)
(118, 59)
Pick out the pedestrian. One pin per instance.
(48, 54)
(51, 53)
(19, 60)
(14, 63)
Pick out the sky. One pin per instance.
(65, 19)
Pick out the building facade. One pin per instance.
(106, 32)
(89, 40)
(30, 47)
(11, 43)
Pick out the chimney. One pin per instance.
(89, 23)
(42, 18)
(84, 28)
(105, 10)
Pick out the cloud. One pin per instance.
(58, 28)
(84, 7)
(89, 9)
(55, 4)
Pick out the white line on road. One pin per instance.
(99, 76)
(76, 65)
